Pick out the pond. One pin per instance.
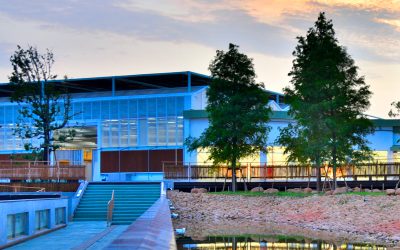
(276, 242)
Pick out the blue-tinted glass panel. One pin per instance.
(171, 110)
(123, 109)
(114, 109)
(180, 105)
(152, 131)
(78, 111)
(124, 133)
(105, 133)
(133, 109)
(161, 107)
(105, 110)
(142, 107)
(87, 110)
(96, 106)
(151, 107)
(162, 131)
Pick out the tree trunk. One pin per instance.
(234, 175)
(318, 169)
(45, 154)
(334, 159)
(46, 147)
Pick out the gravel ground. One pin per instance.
(335, 218)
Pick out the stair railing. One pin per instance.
(110, 209)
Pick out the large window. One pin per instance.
(143, 122)
(60, 216)
(42, 219)
(156, 121)
(17, 225)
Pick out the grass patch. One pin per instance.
(291, 194)
(256, 194)
(367, 193)
(243, 193)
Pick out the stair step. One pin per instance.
(131, 201)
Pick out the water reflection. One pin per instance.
(259, 242)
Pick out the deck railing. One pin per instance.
(28, 170)
(110, 209)
(265, 172)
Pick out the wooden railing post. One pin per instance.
(58, 171)
(29, 170)
(110, 209)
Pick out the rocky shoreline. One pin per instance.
(333, 218)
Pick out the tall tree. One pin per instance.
(396, 109)
(45, 108)
(327, 100)
(237, 111)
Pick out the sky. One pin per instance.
(122, 37)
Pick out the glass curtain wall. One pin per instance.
(124, 122)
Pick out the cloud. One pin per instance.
(97, 37)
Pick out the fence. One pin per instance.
(27, 170)
(250, 171)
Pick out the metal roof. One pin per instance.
(125, 82)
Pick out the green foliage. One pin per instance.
(327, 99)
(395, 111)
(256, 194)
(40, 103)
(237, 109)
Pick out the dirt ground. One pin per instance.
(334, 218)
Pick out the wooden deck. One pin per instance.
(27, 170)
(264, 172)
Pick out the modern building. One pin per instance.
(127, 126)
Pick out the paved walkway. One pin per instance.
(77, 235)
(152, 230)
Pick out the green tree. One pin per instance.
(327, 100)
(44, 108)
(396, 109)
(237, 111)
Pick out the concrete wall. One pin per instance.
(29, 206)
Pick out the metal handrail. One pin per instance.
(38, 189)
(110, 209)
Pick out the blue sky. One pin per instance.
(114, 37)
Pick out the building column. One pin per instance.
(96, 171)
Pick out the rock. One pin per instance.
(375, 190)
(367, 190)
(329, 192)
(257, 189)
(294, 190)
(198, 190)
(307, 190)
(356, 189)
(397, 191)
(340, 190)
(271, 191)
(390, 192)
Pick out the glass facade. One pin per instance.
(142, 122)
(129, 122)
(17, 225)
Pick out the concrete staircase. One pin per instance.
(131, 201)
